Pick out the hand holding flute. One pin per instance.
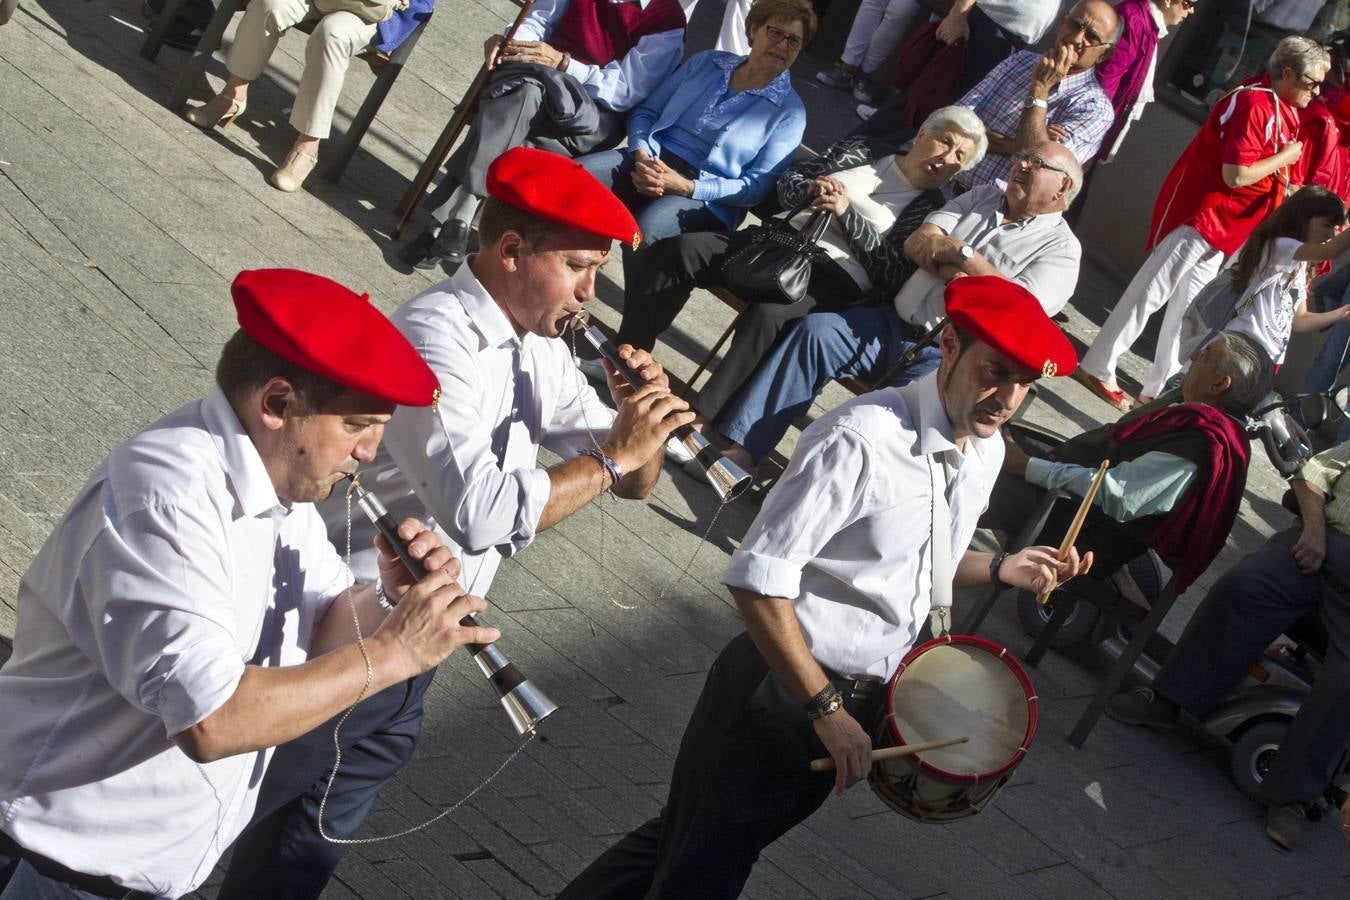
(431, 616)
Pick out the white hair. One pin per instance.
(960, 119)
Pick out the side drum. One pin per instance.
(951, 687)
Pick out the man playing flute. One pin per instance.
(188, 613)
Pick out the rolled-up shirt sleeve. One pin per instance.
(156, 616)
(823, 491)
(580, 417)
(446, 456)
(1324, 469)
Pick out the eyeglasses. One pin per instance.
(779, 36)
(1084, 27)
(1036, 162)
(1312, 84)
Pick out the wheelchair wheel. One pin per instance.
(1253, 754)
(1077, 629)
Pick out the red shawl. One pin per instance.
(1195, 530)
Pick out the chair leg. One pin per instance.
(347, 144)
(201, 58)
(154, 38)
(1121, 669)
(1064, 607)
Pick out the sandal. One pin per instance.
(1115, 397)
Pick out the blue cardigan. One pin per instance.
(748, 156)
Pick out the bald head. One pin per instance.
(1045, 179)
(1087, 33)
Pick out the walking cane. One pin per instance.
(467, 107)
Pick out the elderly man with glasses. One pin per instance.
(1030, 98)
(1018, 233)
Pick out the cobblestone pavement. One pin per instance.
(120, 228)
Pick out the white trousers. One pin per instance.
(732, 37)
(336, 39)
(876, 30)
(1179, 266)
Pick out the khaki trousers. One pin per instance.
(336, 39)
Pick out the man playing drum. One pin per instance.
(834, 581)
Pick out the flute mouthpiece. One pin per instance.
(579, 320)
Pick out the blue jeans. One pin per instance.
(855, 342)
(1326, 367)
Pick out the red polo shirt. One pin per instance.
(1248, 124)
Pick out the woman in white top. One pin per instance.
(1270, 276)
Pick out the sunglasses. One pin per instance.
(779, 36)
(1081, 26)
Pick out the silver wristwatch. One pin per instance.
(967, 253)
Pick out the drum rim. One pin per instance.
(1003, 655)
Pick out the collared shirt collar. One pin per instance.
(488, 319)
(774, 91)
(254, 492)
(931, 424)
(1001, 216)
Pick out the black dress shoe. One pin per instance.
(417, 252)
(452, 244)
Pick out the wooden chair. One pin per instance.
(385, 67)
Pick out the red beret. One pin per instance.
(1009, 318)
(322, 326)
(560, 189)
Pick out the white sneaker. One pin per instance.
(862, 90)
(677, 452)
(865, 110)
(593, 369)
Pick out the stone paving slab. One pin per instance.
(120, 228)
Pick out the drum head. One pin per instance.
(967, 687)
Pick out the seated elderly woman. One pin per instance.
(710, 141)
(337, 37)
(877, 198)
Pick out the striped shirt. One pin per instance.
(1326, 471)
(1077, 103)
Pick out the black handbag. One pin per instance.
(771, 262)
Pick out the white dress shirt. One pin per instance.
(1039, 253)
(624, 83)
(846, 533)
(175, 566)
(470, 466)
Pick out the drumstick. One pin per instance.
(825, 764)
(1072, 534)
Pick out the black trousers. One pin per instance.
(665, 277)
(1250, 606)
(741, 780)
(282, 855)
